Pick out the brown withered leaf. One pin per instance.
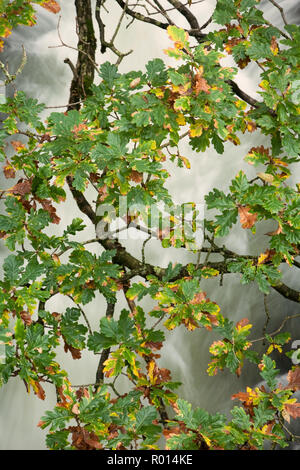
(261, 149)
(26, 317)
(246, 218)
(27, 205)
(136, 176)
(9, 171)
(94, 177)
(22, 187)
(242, 63)
(47, 206)
(102, 193)
(201, 84)
(294, 379)
(76, 353)
(156, 345)
(165, 375)
(242, 396)
(83, 439)
(45, 137)
(51, 6)
(64, 399)
(171, 432)
(93, 442)
(293, 410)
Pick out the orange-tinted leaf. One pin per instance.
(135, 82)
(17, 145)
(246, 218)
(51, 6)
(242, 396)
(242, 322)
(40, 391)
(294, 378)
(75, 409)
(201, 84)
(293, 410)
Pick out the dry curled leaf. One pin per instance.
(75, 409)
(266, 177)
(136, 176)
(22, 187)
(76, 353)
(242, 322)
(135, 82)
(247, 219)
(201, 84)
(294, 379)
(47, 206)
(291, 409)
(51, 6)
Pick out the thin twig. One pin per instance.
(105, 352)
(83, 314)
(11, 77)
(143, 248)
(290, 317)
(281, 11)
(63, 44)
(110, 44)
(64, 105)
(267, 317)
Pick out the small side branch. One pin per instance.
(110, 44)
(105, 353)
(11, 77)
(280, 9)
